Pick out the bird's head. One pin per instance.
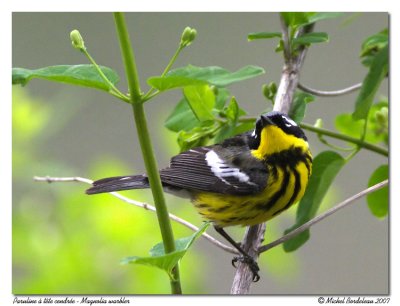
(275, 132)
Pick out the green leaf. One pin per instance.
(221, 95)
(378, 201)
(201, 100)
(296, 19)
(345, 124)
(280, 46)
(181, 244)
(314, 17)
(212, 75)
(263, 35)
(244, 127)
(196, 137)
(326, 166)
(311, 38)
(82, 75)
(371, 83)
(163, 261)
(377, 126)
(181, 118)
(298, 108)
(232, 111)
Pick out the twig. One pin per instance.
(146, 206)
(290, 76)
(326, 214)
(358, 142)
(333, 93)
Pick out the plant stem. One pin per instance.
(146, 146)
(172, 60)
(358, 142)
(113, 90)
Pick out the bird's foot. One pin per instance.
(251, 263)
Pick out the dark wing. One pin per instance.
(228, 170)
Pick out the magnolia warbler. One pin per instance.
(245, 180)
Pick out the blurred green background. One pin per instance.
(65, 242)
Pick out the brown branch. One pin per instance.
(283, 100)
(253, 238)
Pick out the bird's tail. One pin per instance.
(119, 183)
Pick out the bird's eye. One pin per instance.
(288, 122)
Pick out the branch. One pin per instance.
(333, 93)
(253, 238)
(321, 217)
(290, 75)
(283, 100)
(138, 204)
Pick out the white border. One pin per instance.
(6, 9)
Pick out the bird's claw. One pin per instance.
(251, 263)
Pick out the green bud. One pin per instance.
(318, 123)
(269, 90)
(188, 35)
(265, 90)
(382, 116)
(77, 40)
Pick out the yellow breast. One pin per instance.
(284, 188)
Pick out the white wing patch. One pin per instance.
(221, 170)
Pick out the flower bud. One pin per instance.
(77, 40)
(188, 35)
(269, 90)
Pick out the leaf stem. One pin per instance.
(113, 90)
(146, 145)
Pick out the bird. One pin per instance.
(245, 180)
